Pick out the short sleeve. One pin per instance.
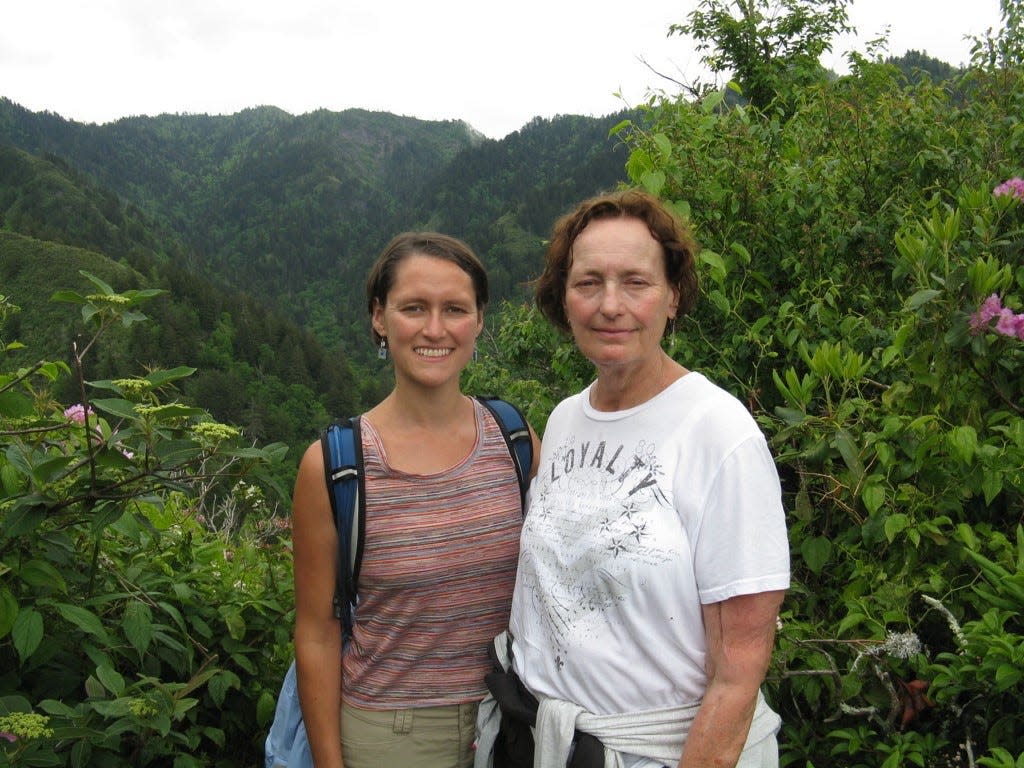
(742, 546)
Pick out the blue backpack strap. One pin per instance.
(517, 437)
(343, 467)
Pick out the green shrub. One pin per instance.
(143, 613)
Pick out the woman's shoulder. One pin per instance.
(710, 411)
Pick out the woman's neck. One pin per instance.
(432, 408)
(618, 388)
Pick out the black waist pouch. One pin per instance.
(513, 747)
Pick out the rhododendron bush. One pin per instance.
(143, 593)
(862, 280)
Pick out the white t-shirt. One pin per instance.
(636, 519)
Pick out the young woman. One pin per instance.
(655, 556)
(443, 518)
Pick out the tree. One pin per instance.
(1005, 48)
(768, 45)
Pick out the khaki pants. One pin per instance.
(424, 737)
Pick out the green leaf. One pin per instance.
(718, 298)
(802, 506)
(740, 250)
(713, 260)
(850, 621)
(111, 679)
(138, 626)
(964, 442)
(8, 611)
(235, 624)
(711, 101)
(873, 497)
(1007, 676)
(664, 145)
(159, 378)
(177, 411)
(26, 515)
(894, 525)
(84, 619)
(791, 416)
(54, 707)
(11, 480)
(15, 405)
(105, 289)
(27, 632)
(219, 685)
(106, 513)
(843, 442)
(653, 181)
(966, 534)
(39, 573)
(265, 706)
(991, 485)
(106, 707)
(117, 407)
(922, 297)
(619, 127)
(816, 552)
(70, 297)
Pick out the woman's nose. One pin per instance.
(434, 325)
(611, 298)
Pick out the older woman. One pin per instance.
(654, 558)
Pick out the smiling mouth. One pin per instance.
(431, 352)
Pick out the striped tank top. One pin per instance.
(438, 569)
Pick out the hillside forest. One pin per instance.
(182, 311)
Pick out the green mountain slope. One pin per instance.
(257, 368)
(293, 209)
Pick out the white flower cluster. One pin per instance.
(902, 645)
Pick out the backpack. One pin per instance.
(286, 745)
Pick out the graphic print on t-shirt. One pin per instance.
(601, 523)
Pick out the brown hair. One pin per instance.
(434, 244)
(678, 246)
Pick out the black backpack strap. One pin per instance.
(343, 469)
(517, 437)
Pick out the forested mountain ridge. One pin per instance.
(241, 185)
(293, 209)
(249, 219)
(257, 369)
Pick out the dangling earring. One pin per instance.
(382, 351)
(476, 353)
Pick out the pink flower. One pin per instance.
(9, 736)
(990, 308)
(1010, 324)
(1013, 187)
(1007, 323)
(77, 413)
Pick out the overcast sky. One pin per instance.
(494, 65)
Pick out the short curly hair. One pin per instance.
(678, 246)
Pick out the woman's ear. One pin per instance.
(377, 318)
